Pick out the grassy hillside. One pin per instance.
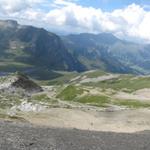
(103, 93)
(94, 88)
(124, 82)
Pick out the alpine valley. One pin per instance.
(88, 81)
(40, 53)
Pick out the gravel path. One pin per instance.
(23, 136)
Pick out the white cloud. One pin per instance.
(12, 6)
(66, 16)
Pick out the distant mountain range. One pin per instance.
(38, 52)
(105, 51)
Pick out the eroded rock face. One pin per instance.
(19, 82)
(26, 83)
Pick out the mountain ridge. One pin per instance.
(129, 56)
(30, 48)
(38, 52)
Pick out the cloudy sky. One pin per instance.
(127, 19)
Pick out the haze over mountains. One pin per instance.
(37, 52)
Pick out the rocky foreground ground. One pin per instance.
(24, 136)
(47, 118)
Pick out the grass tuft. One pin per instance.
(95, 100)
(70, 93)
(132, 103)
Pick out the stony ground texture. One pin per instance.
(24, 136)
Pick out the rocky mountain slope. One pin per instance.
(16, 89)
(33, 50)
(38, 52)
(106, 52)
(18, 81)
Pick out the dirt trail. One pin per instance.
(141, 95)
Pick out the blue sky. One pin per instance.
(110, 5)
(106, 5)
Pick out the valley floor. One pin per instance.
(24, 136)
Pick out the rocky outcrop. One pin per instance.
(19, 82)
